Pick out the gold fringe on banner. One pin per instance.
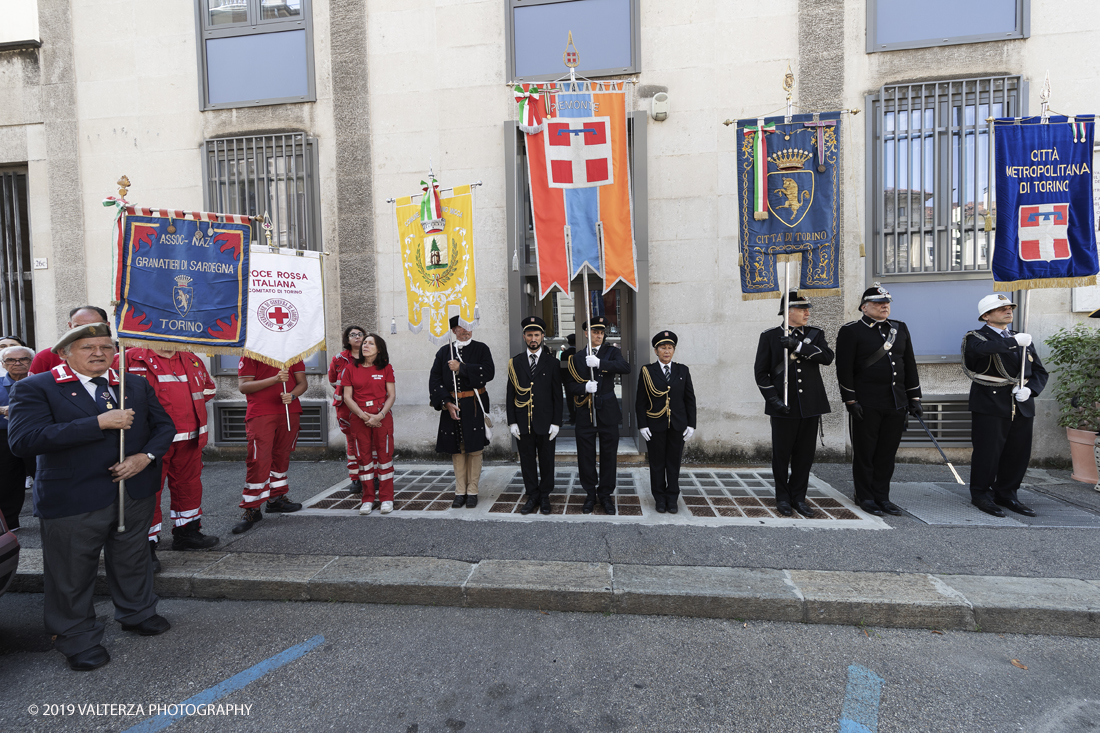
(278, 364)
(173, 346)
(770, 295)
(1053, 282)
(819, 293)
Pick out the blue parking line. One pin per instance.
(860, 712)
(234, 683)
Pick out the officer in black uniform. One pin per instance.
(591, 389)
(1002, 409)
(665, 407)
(878, 383)
(534, 406)
(796, 416)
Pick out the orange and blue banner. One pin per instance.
(182, 277)
(579, 173)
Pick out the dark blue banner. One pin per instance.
(182, 281)
(1046, 233)
(789, 185)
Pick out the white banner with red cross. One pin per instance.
(286, 306)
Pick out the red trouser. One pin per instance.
(269, 447)
(182, 466)
(343, 420)
(374, 451)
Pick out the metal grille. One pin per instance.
(271, 174)
(948, 419)
(933, 208)
(229, 427)
(16, 298)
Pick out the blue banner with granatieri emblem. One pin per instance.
(1046, 233)
(788, 178)
(182, 280)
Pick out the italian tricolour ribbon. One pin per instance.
(760, 167)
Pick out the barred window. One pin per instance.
(273, 174)
(16, 297)
(932, 199)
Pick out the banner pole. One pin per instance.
(1023, 329)
(121, 436)
(286, 406)
(786, 328)
(588, 317)
(454, 377)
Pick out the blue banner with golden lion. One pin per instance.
(182, 281)
(789, 194)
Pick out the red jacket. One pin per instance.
(336, 367)
(184, 407)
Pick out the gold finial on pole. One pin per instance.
(267, 228)
(123, 186)
(788, 87)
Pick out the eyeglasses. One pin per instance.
(22, 360)
(356, 334)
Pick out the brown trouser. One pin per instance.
(467, 472)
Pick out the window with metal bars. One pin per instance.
(16, 296)
(229, 426)
(932, 193)
(948, 419)
(273, 174)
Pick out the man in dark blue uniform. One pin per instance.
(69, 418)
(591, 388)
(1002, 408)
(533, 402)
(878, 379)
(795, 416)
(665, 407)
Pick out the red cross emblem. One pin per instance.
(278, 315)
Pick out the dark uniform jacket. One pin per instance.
(607, 404)
(807, 391)
(655, 394)
(475, 370)
(982, 350)
(539, 395)
(891, 381)
(52, 416)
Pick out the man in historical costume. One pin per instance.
(795, 416)
(878, 379)
(665, 407)
(590, 387)
(183, 386)
(534, 408)
(70, 419)
(1002, 409)
(46, 359)
(467, 365)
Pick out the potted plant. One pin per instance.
(1075, 360)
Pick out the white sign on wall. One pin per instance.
(1086, 300)
(20, 22)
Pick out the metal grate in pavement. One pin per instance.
(747, 493)
(569, 495)
(1052, 512)
(937, 504)
(415, 489)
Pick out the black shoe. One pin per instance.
(1015, 506)
(672, 505)
(589, 504)
(153, 556)
(249, 518)
(89, 659)
(356, 487)
(152, 626)
(784, 508)
(890, 508)
(988, 507)
(189, 537)
(804, 509)
(471, 501)
(460, 501)
(660, 502)
(530, 506)
(281, 505)
(870, 507)
(608, 504)
(545, 508)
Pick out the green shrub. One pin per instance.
(1075, 359)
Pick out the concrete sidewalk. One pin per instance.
(1052, 606)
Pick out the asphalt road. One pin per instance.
(416, 669)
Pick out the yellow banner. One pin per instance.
(439, 267)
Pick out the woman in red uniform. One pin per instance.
(369, 393)
(353, 341)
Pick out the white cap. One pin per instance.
(993, 302)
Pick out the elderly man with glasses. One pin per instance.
(16, 361)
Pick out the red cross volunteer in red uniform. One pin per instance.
(369, 393)
(270, 398)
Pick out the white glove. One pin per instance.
(688, 432)
(554, 431)
(514, 430)
(646, 434)
(593, 361)
(1022, 393)
(590, 387)
(1023, 339)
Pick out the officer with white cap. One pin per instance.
(1001, 405)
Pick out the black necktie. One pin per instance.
(103, 399)
(534, 359)
(668, 372)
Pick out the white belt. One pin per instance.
(190, 436)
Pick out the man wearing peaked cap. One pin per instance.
(796, 415)
(533, 402)
(1002, 407)
(590, 387)
(877, 371)
(69, 417)
(665, 407)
